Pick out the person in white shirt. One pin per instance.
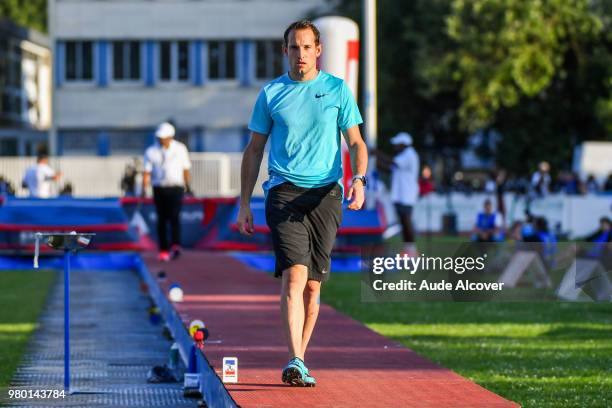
(167, 168)
(540, 180)
(405, 183)
(39, 178)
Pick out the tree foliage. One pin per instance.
(27, 13)
(539, 72)
(509, 50)
(411, 38)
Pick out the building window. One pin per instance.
(183, 60)
(12, 90)
(165, 60)
(269, 59)
(222, 59)
(79, 61)
(174, 60)
(126, 60)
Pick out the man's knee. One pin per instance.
(294, 280)
(312, 291)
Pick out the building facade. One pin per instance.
(25, 89)
(123, 66)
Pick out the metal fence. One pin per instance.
(213, 174)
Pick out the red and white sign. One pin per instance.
(230, 369)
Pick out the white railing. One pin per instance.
(213, 174)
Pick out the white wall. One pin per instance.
(578, 215)
(178, 19)
(213, 174)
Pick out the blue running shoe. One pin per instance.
(293, 373)
(309, 380)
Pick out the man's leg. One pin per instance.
(311, 310)
(176, 203)
(292, 308)
(160, 208)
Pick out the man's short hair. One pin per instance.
(302, 25)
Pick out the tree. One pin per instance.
(411, 41)
(27, 13)
(539, 72)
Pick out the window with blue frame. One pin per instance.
(126, 60)
(222, 60)
(174, 61)
(269, 59)
(79, 61)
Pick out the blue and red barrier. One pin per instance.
(130, 223)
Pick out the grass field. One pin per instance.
(22, 296)
(538, 354)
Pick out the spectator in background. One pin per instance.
(591, 186)
(603, 233)
(600, 247)
(547, 238)
(405, 184)
(6, 187)
(490, 185)
(540, 180)
(581, 184)
(489, 224)
(543, 233)
(567, 183)
(167, 168)
(426, 184)
(39, 178)
(404, 168)
(608, 184)
(66, 190)
(528, 229)
(131, 182)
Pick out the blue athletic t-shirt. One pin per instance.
(304, 120)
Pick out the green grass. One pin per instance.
(538, 354)
(22, 296)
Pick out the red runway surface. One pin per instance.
(354, 366)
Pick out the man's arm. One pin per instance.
(146, 179)
(187, 180)
(186, 170)
(249, 170)
(359, 159)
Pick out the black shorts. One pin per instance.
(304, 222)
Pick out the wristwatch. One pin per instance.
(360, 178)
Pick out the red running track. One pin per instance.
(354, 366)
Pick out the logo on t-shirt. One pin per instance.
(320, 95)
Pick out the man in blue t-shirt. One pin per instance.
(303, 114)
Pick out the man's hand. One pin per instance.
(357, 194)
(245, 220)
